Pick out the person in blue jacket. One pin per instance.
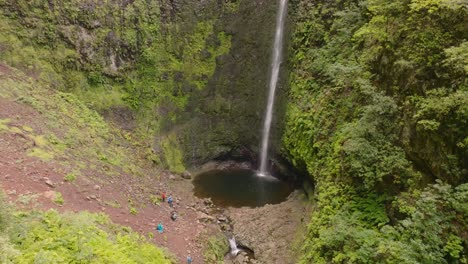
(160, 228)
(169, 201)
(189, 259)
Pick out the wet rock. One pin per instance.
(268, 230)
(222, 218)
(186, 175)
(240, 258)
(225, 227)
(208, 202)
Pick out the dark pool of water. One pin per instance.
(239, 188)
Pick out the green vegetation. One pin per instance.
(172, 154)
(156, 200)
(377, 114)
(4, 124)
(27, 199)
(59, 198)
(70, 177)
(133, 210)
(113, 204)
(50, 237)
(215, 249)
(75, 132)
(40, 153)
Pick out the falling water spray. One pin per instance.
(275, 67)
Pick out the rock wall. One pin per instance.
(225, 117)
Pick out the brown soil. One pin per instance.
(29, 183)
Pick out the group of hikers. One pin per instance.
(160, 227)
(169, 199)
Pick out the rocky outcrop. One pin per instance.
(270, 231)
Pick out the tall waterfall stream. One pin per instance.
(275, 67)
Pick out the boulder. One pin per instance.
(208, 202)
(222, 218)
(202, 217)
(50, 183)
(186, 175)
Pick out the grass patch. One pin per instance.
(102, 98)
(113, 204)
(215, 249)
(15, 130)
(133, 211)
(27, 199)
(4, 124)
(59, 198)
(27, 129)
(156, 200)
(41, 154)
(39, 141)
(172, 154)
(83, 133)
(70, 177)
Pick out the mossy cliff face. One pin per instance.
(212, 80)
(190, 75)
(228, 113)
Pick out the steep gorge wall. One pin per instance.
(229, 111)
(188, 77)
(377, 117)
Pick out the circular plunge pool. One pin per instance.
(240, 187)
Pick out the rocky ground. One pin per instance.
(271, 231)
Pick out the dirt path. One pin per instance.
(32, 183)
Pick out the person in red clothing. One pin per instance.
(163, 196)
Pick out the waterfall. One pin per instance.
(233, 246)
(275, 66)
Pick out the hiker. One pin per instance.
(163, 197)
(189, 259)
(169, 200)
(173, 215)
(160, 228)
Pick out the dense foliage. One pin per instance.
(50, 237)
(378, 113)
